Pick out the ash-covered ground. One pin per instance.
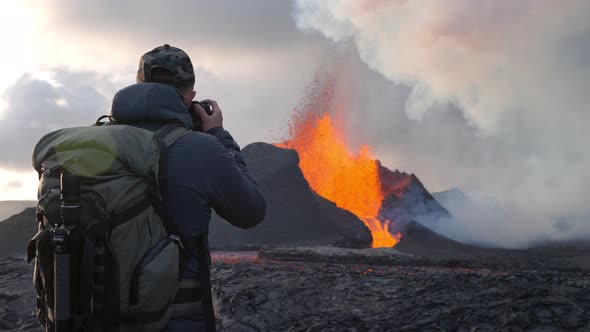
(305, 289)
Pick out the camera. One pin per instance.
(197, 122)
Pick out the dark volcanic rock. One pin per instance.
(10, 208)
(420, 246)
(254, 294)
(298, 216)
(261, 295)
(15, 233)
(407, 199)
(295, 215)
(381, 256)
(17, 296)
(422, 241)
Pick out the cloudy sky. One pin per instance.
(488, 96)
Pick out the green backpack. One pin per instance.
(106, 254)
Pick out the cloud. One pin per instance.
(15, 184)
(239, 53)
(220, 24)
(250, 57)
(36, 107)
(217, 35)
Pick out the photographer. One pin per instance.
(205, 170)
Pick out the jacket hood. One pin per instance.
(150, 103)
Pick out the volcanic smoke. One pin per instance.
(349, 180)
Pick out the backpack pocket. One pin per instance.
(154, 271)
(154, 283)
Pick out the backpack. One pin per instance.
(106, 253)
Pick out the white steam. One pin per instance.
(519, 71)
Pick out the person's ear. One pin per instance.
(188, 97)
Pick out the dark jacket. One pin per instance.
(205, 170)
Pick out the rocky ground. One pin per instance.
(307, 290)
(17, 296)
(266, 295)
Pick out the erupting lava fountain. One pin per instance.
(349, 180)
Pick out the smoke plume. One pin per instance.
(497, 89)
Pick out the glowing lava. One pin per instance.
(350, 181)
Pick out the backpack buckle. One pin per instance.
(178, 241)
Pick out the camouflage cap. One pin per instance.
(170, 58)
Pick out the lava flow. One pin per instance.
(350, 181)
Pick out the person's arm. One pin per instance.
(233, 192)
(233, 148)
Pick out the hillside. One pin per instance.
(10, 208)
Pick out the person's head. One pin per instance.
(169, 65)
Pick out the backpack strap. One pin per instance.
(166, 137)
(204, 259)
(100, 122)
(171, 133)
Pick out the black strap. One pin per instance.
(205, 278)
(163, 162)
(86, 283)
(188, 295)
(118, 219)
(99, 277)
(99, 120)
(161, 202)
(143, 317)
(111, 297)
(130, 213)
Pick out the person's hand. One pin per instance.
(213, 120)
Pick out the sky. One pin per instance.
(488, 96)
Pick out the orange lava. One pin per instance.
(349, 180)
